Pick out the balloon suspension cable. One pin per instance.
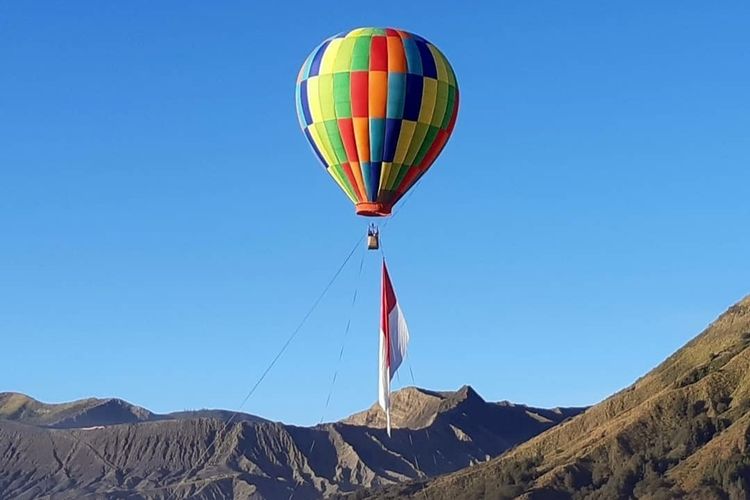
(347, 328)
(374, 242)
(344, 338)
(281, 351)
(382, 249)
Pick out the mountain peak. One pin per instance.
(415, 408)
(468, 392)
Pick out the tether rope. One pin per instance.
(338, 363)
(292, 337)
(269, 367)
(345, 336)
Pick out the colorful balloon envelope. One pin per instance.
(377, 105)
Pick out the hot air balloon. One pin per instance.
(377, 106)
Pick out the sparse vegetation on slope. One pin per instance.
(683, 430)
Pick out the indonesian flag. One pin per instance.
(394, 336)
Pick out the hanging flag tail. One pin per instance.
(394, 337)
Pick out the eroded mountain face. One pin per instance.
(681, 431)
(110, 448)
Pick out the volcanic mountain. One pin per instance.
(681, 431)
(108, 448)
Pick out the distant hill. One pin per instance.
(109, 448)
(94, 412)
(681, 431)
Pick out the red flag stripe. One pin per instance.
(387, 304)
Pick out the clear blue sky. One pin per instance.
(164, 225)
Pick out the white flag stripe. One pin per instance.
(399, 338)
(394, 338)
(384, 380)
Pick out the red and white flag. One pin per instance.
(394, 337)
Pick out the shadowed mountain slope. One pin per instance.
(681, 431)
(73, 450)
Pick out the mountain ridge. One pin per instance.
(89, 412)
(62, 450)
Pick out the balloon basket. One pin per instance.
(373, 237)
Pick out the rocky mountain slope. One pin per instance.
(111, 449)
(681, 431)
